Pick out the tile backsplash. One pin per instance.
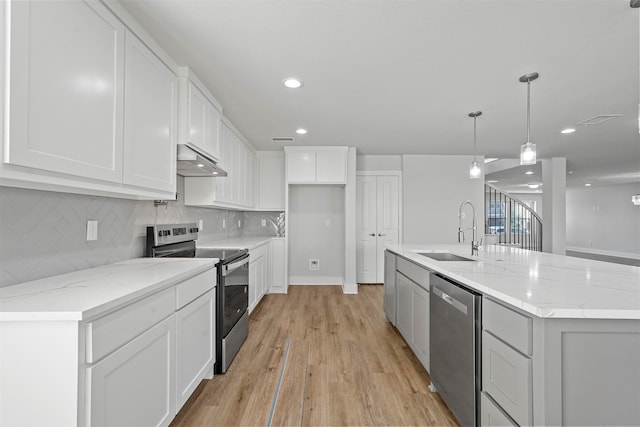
(43, 233)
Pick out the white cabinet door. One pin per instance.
(277, 266)
(366, 229)
(331, 166)
(404, 315)
(135, 385)
(301, 167)
(195, 333)
(420, 325)
(249, 181)
(257, 274)
(196, 121)
(212, 124)
(150, 119)
(377, 224)
(270, 180)
(67, 75)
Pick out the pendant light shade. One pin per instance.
(528, 149)
(474, 171)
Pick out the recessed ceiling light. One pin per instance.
(528, 173)
(568, 130)
(200, 165)
(534, 186)
(587, 185)
(292, 83)
(301, 131)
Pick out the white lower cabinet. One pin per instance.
(258, 274)
(404, 316)
(277, 281)
(134, 386)
(195, 336)
(389, 301)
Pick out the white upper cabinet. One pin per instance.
(66, 79)
(150, 119)
(270, 180)
(316, 165)
(200, 116)
(234, 191)
(92, 109)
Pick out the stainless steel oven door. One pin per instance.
(236, 292)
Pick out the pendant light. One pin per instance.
(474, 171)
(528, 149)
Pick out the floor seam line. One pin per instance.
(276, 393)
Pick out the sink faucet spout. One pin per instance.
(474, 243)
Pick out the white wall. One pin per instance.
(310, 207)
(378, 163)
(433, 189)
(603, 220)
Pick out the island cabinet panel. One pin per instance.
(390, 286)
(491, 415)
(421, 325)
(135, 384)
(506, 377)
(509, 326)
(405, 306)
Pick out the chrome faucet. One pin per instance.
(475, 245)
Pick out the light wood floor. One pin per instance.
(346, 365)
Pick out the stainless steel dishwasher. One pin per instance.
(455, 347)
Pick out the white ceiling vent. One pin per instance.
(282, 139)
(599, 119)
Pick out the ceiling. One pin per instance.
(401, 76)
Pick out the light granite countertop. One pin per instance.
(545, 285)
(84, 294)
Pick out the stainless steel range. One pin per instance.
(232, 293)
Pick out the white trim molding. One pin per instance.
(316, 280)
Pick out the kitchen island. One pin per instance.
(560, 341)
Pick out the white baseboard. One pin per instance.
(603, 252)
(278, 290)
(350, 288)
(316, 280)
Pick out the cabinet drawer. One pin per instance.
(512, 327)
(491, 415)
(506, 377)
(258, 252)
(418, 274)
(192, 288)
(113, 330)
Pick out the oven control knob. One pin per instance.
(238, 311)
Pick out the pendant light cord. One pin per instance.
(474, 138)
(529, 110)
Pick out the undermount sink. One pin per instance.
(444, 256)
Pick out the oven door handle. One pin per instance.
(230, 268)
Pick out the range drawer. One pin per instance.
(513, 328)
(107, 333)
(506, 377)
(418, 274)
(191, 289)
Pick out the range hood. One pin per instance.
(193, 162)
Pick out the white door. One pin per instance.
(377, 217)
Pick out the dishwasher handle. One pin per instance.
(450, 300)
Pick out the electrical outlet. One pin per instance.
(92, 230)
(200, 225)
(263, 222)
(327, 222)
(224, 224)
(239, 223)
(314, 264)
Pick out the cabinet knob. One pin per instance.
(372, 234)
(380, 235)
